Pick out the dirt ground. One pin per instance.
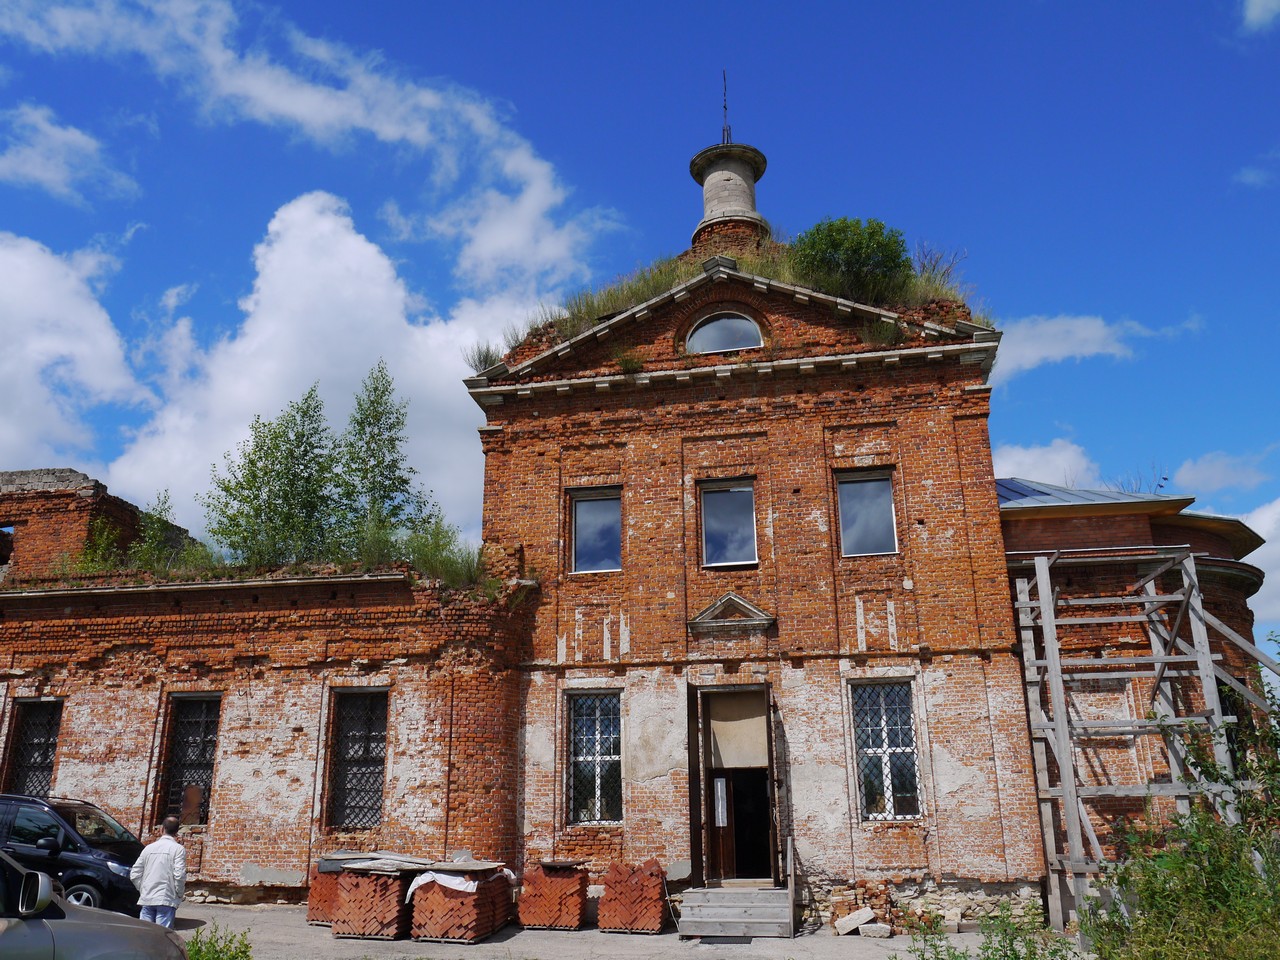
(282, 933)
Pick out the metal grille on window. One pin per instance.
(32, 748)
(595, 751)
(885, 737)
(193, 744)
(358, 759)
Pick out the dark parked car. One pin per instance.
(79, 845)
(37, 924)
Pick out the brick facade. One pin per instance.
(483, 748)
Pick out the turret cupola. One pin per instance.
(728, 173)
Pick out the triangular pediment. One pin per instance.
(804, 327)
(731, 612)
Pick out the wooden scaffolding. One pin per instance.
(1166, 606)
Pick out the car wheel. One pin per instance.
(84, 895)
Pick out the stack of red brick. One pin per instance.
(371, 905)
(634, 899)
(322, 896)
(443, 913)
(867, 893)
(554, 896)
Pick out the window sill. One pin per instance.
(588, 573)
(735, 565)
(856, 556)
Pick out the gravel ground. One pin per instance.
(282, 933)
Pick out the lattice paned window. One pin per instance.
(357, 759)
(595, 758)
(32, 747)
(884, 732)
(193, 745)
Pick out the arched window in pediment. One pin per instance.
(723, 333)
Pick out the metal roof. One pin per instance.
(1015, 492)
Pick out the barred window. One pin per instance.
(32, 747)
(193, 745)
(886, 742)
(595, 758)
(357, 759)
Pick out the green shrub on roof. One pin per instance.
(867, 262)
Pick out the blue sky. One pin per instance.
(207, 205)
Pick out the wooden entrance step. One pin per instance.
(736, 911)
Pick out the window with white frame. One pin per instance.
(724, 333)
(595, 757)
(866, 514)
(597, 529)
(884, 733)
(728, 522)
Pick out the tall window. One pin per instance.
(193, 745)
(885, 737)
(357, 759)
(728, 523)
(866, 514)
(32, 747)
(597, 529)
(595, 758)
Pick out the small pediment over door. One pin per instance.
(731, 614)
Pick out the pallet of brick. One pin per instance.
(322, 895)
(554, 895)
(371, 905)
(460, 906)
(634, 899)
(322, 892)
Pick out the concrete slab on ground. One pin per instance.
(282, 933)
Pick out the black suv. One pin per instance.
(81, 846)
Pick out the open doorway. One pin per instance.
(736, 779)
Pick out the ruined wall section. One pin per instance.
(277, 653)
(46, 517)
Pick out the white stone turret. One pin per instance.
(728, 173)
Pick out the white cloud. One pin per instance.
(325, 305)
(1265, 520)
(502, 211)
(1260, 14)
(1254, 177)
(59, 159)
(62, 356)
(1218, 471)
(1034, 341)
(1061, 462)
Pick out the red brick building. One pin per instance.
(773, 615)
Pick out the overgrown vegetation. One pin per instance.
(160, 547)
(214, 943)
(296, 494)
(1004, 937)
(862, 261)
(1203, 888)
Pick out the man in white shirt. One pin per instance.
(160, 874)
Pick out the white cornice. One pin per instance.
(718, 269)
(966, 353)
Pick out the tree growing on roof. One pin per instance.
(276, 500)
(379, 499)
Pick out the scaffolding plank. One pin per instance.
(1267, 661)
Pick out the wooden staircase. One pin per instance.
(737, 911)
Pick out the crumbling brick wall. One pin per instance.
(936, 612)
(276, 652)
(47, 516)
